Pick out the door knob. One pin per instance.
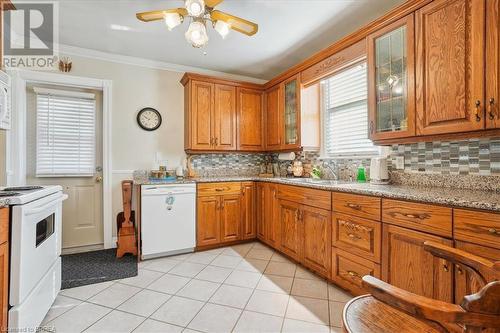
(98, 179)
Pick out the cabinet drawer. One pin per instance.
(4, 225)
(357, 205)
(358, 236)
(428, 218)
(208, 189)
(477, 227)
(348, 270)
(306, 196)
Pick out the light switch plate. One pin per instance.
(400, 162)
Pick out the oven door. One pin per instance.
(36, 243)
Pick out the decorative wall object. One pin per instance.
(65, 64)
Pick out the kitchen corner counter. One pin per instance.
(461, 198)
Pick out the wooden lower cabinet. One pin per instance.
(405, 263)
(248, 210)
(230, 217)
(291, 232)
(268, 227)
(348, 270)
(317, 240)
(208, 226)
(465, 284)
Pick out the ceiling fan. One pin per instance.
(200, 12)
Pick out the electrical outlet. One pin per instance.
(400, 162)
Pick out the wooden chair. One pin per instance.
(391, 309)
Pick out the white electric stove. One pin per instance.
(35, 263)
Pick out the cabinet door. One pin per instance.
(272, 219)
(465, 284)
(4, 285)
(317, 239)
(230, 217)
(391, 80)
(493, 63)
(405, 263)
(291, 233)
(450, 66)
(273, 118)
(225, 117)
(250, 120)
(261, 214)
(291, 113)
(202, 115)
(208, 217)
(248, 211)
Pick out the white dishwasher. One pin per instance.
(168, 219)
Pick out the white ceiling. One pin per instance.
(289, 31)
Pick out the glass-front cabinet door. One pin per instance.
(291, 113)
(391, 75)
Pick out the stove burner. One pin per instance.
(23, 188)
(8, 194)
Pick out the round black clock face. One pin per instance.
(149, 119)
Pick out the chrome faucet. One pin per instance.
(334, 172)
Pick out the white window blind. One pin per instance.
(345, 118)
(65, 126)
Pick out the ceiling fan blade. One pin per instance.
(236, 23)
(212, 3)
(156, 15)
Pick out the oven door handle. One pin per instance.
(44, 207)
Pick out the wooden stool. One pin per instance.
(391, 309)
(127, 240)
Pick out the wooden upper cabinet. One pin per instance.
(202, 115)
(222, 115)
(391, 80)
(492, 64)
(250, 120)
(450, 66)
(405, 263)
(291, 113)
(273, 118)
(224, 136)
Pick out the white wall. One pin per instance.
(134, 88)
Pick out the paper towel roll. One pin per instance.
(286, 156)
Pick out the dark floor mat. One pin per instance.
(97, 266)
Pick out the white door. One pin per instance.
(82, 214)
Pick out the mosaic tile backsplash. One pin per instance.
(232, 164)
(467, 157)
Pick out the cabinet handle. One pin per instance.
(416, 216)
(445, 268)
(216, 141)
(459, 269)
(478, 109)
(492, 113)
(219, 189)
(354, 206)
(494, 231)
(353, 236)
(371, 127)
(222, 205)
(352, 274)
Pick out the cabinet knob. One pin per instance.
(478, 110)
(459, 269)
(494, 231)
(352, 274)
(492, 111)
(445, 268)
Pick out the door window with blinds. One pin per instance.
(345, 114)
(65, 133)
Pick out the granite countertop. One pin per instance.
(464, 198)
(4, 202)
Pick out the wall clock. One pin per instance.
(149, 119)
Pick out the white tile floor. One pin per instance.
(242, 288)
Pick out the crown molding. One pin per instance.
(142, 62)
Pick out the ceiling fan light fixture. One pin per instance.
(197, 34)
(172, 20)
(222, 28)
(195, 8)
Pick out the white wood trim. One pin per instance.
(16, 138)
(128, 60)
